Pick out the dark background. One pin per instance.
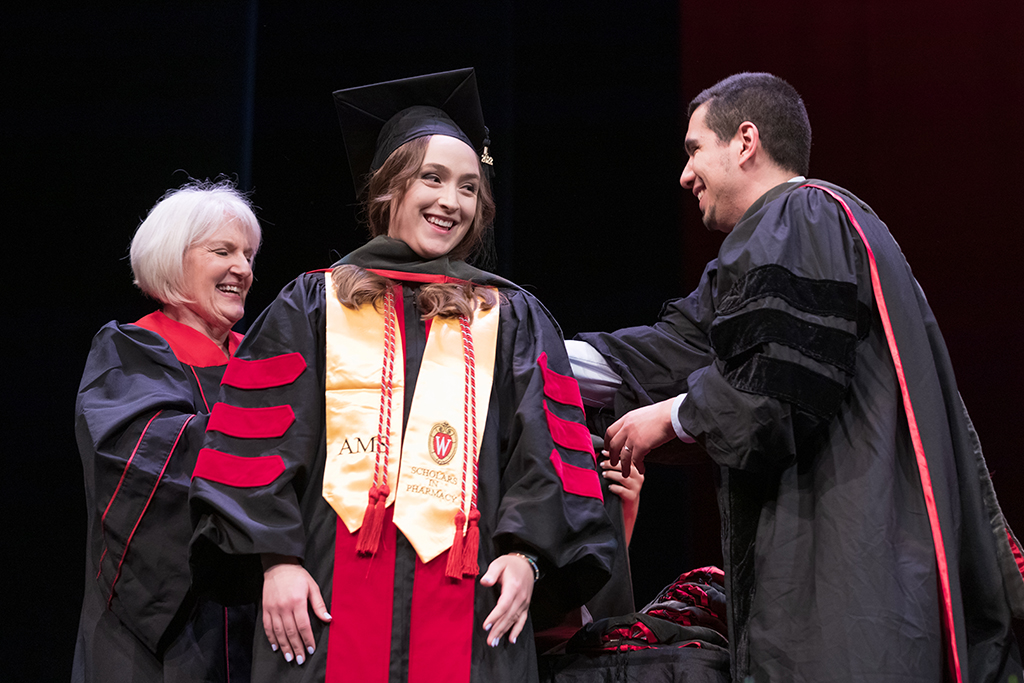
(915, 107)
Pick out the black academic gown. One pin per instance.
(830, 560)
(140, 419)
(522, 499)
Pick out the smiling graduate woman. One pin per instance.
(141, 415)
(398, 425)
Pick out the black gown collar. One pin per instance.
(386, 253)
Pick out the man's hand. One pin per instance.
(637, 433)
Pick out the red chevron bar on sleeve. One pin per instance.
(276, 371)
(250, 423)
(577, 480)
(558, 387)
(569, 434)
(235, 470)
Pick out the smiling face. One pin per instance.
(217, 277)
(712, 174)
(439, 203)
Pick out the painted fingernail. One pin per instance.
(288, 656)
(299, 660)
(494, 643)
(512, 640)
(310, 649)
(487, 627)
(273, 646)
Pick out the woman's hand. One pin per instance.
(515, 575)
(287, 588)
(626, 488)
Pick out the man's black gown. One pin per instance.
(832, 569)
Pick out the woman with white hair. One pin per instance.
(143, 405)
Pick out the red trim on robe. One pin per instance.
(558, 387)
(276, 371)
(577, 480)
(227, 648)
(569, 434)
(362, 604)
(418, 277)
(404, 276)
(202, 394)
(440, 606)
(441, 628)
(1017, 555)
(145, 507)
(400, 316)
(236, 470)
(190, 346)
(915, 436)
(117, 489)
(250, 423)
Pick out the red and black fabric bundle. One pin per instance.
(689, 612)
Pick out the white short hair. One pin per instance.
(184, 217)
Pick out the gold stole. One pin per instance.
(354, 360)
(434, 465)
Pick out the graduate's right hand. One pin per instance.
(287, 588)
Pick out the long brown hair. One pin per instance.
(386, 190)
(357, 287)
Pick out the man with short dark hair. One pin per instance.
(861, 535)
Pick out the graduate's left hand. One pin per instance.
(637, 433)
(515, 575)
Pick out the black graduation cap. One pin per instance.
(378, 119)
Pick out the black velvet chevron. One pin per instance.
(820, 297)
(787, 381)
(734, 336)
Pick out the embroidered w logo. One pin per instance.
(442, 445)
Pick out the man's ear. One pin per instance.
(749, 139)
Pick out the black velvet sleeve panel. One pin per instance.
(739, 335)
(819, 297)
(788, 320)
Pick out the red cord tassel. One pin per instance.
(453, 570)
(470, 564)
(373, 520)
